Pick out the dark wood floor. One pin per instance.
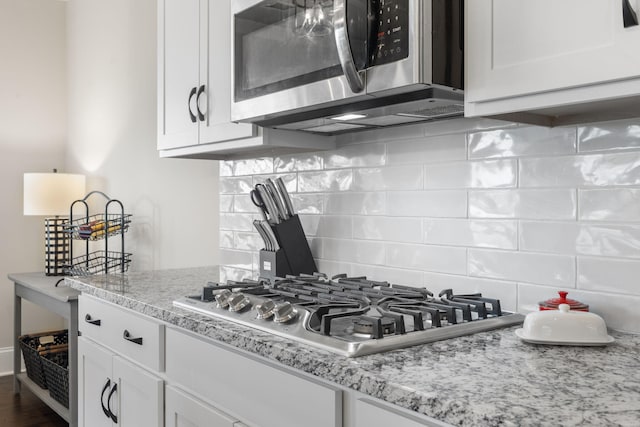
(24, 409)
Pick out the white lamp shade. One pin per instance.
(50, 194)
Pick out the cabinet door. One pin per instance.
(516, 47)
(215, 74)
(139, 396)
(184, 411)
(94, 372)
(370, 413)
(178, 69)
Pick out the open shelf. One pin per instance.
(43, 395)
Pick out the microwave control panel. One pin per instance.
(390, 20)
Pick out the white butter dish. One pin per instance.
(564, 327)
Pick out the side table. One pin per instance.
(41, 290)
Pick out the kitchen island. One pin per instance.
(488, 378)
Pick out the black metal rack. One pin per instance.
(97, 227)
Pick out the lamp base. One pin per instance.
(56, 247)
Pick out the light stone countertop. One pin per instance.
(486, 379)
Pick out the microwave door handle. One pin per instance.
(351, 73)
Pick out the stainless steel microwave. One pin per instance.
(334, 66)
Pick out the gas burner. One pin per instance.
(352, 316)
(365, 326)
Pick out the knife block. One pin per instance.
(294, 247)
(273, 264)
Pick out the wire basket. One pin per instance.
(97, 227)
(56, 372)
(31, 346)
(99, 262)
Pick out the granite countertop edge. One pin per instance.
(407, 377)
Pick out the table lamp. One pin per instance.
(51, 195)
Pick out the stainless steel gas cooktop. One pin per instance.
(352, 316)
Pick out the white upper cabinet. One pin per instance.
(551, 62)
(194, 74)
(194, 89)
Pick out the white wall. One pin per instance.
(112, 136)
(517, 212)
(32, 138)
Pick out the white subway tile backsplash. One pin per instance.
(618, 204)
(523, 141)
(506, 291)
(544, 269)
(226, 203)
(308, 203)
(335, 180)
(427, 258)
(392, 229)
(530, 204)
(356, 251)
(516, 212)
(355, 203)
(580, 238)
(471, 233)
(233, 273)
(235, 185)
(479, 174)
(581, 171)
(388, 178)
(609, 136)
(609, 275)
(434, 203)
(253, 166)
(226, 239)
(236, 222)
(300, 162)
(444, 148)
(361, 155)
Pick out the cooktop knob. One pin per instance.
(265, 310)
(238, 301)
(223, 298)
(284, 312)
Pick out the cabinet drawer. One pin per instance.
(256, 392)
(109, 325)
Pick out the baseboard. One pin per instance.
(6, 361)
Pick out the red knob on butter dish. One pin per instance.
(553, 303)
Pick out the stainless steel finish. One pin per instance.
(265, 309)
(269, 203)
(272, 237)
(284, 312)
(354, 77)
(275, 194)
(258, 226)
(222, 299)
(300, 331)
(285, 196)
(237, 302)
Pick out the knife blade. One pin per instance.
(285, 196)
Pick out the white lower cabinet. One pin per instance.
(255, 391)
(113, 391)
(182, 410)
(370, 413)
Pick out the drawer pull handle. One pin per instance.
(88, 319)
(113, 390)
(106, 411)
(128, 337)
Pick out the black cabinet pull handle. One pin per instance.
(200, 115)
(193, 92)
(106, 411)
(127, 336)
(113, 390)
(629, 17)
(88, 319)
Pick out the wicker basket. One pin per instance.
(31, 344)
(56, 372)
